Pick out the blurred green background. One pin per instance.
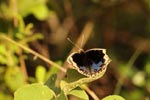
(120, 26)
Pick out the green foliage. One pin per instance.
(43, 92)
(133, 95)
(147, 67)
(70, 88)
(61, 96)
(34, 92)
(17, 23)
(3, 54)
(72, 82)
(53, 69)
(14, 78)
(36, 7)
(51, 83)
(80, 93)
(113, 97)
(40, 73)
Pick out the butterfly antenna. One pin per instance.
(74, 44)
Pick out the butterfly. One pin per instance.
(90, 62)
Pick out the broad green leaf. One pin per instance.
(14, 78)
(61, 96)
(73, 75)
(51, 83)
(75, 79)
(34, 92)
(80, 93)
(113, 97)
(36, 7)
(40, 73)
(40, 11)
(63, 84)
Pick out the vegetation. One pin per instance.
(34, 46)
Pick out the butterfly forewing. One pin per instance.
(89, 62)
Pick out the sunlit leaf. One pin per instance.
(75, 79)
(14, 78)
(36, 7)
(113, 97)
(80, 93)
(40, 73)
(34, 92)
(40, 11)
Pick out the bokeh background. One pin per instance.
(120, 26)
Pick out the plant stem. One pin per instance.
(128, 67)
(34, 53)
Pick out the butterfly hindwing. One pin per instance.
(89, 62)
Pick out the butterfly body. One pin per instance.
(89, 62)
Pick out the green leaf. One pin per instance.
(113, 97)
(36, 7)
(75, 79)
(71, 73)
(40, 73)
(51, 83)
(34, 92)
(80, 93)
(63, 84)
(61, 96)
(40, 11)
(14, 78)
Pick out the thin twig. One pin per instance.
(34, 53)
(90, 92)
(22, 64)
